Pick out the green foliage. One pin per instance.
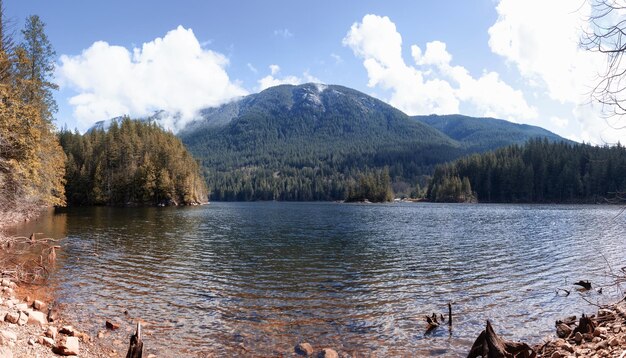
(310, 143)
(133, 163)
(374, 186)
(483, 134)
(286, 144)
(540, 171)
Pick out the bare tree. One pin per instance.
(607, 35)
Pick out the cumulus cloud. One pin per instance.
(431, 84)
(173, 73)
(273, 79)
(541, 39)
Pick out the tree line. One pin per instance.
(539, 172)
(131, 163)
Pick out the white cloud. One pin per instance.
(284, 33)
(173, 73)
(337, 58)
(541, 39)
(252, 68)
(432, 85)
(272, 79)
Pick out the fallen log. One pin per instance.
(135, 348)
(490, 345)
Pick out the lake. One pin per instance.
(254, 279)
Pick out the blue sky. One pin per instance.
(481, 58)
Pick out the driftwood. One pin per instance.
(435, 321)
(135, 348)
(490, 345)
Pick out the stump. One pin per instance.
(585, 325)
(135, 349)
(490, 345)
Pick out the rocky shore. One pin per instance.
(600, 335)
(28, 328)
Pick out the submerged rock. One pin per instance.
(304, 349)
(112, 325)
(328, 353)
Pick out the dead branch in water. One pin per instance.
(22, 258)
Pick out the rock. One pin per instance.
(39, 305)
(31, 341)
(556, 354)
(100, 334)
(111, 325)
(46, 341)
(614, 342)
(599, 331)
(12, 317)
(596, 340)
(9, 303)
(588, 336)
(37, 318)
(21, 306)
(616, 329)
(68, 330)
(304, 349)
(51, 332)
(12, 285)
(327, 353)
(83, 337)
(68, 346)
(9, 336)
(23, 318)
(578, 337)
(5, 282)
(568, 348)
(52, 315)
(601, 345)
(151, 355)
(5, 352)
(563, 330)
(9, 291)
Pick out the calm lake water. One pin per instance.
(254, 279)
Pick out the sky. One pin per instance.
(509, 59)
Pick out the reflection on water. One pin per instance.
(254, 279)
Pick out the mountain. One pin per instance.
(483, 134)
(322, 142)
(160, 117)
